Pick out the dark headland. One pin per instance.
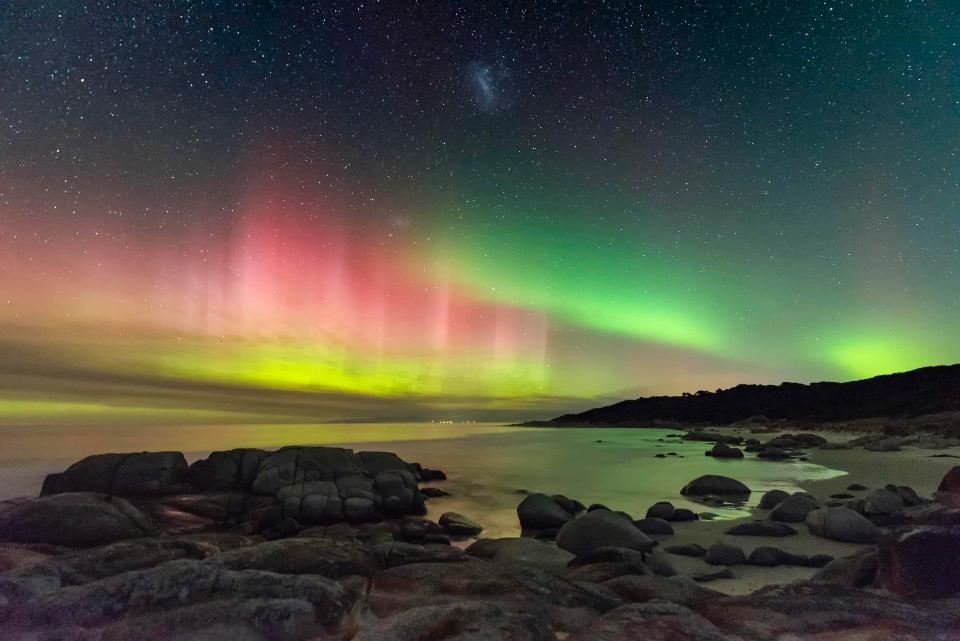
(904, 396)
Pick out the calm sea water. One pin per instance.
(487, 465)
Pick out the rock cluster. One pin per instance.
(112, 497)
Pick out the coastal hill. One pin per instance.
(927, 390)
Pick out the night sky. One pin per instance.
(311, 211)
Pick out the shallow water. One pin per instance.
(487, 465)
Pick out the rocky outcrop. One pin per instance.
(256, 491)
(133, 474)
(722, 450)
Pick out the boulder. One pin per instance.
(682, 514)
(768, 556)
(951, 481)
(539, 511)
(724, 554)
(772, 499)
(774, 454)
(796, 441)
(712, 575)
(856, 571)
(722, 450)
(711, 437)
(921, 562)
(856, 487)
(601, 528)
(459, 525)
(715, 485)
(794, 509)
(686, 549)
(653, 526)
(73, 519)
(908, 495)
(842, 524)
(130, 474)
(328, 557)
(662, 510)
(882, 502)
(761, 528)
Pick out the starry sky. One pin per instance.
(220, 210)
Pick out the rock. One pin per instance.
(597, 506)
(655, 621)
(908, 495)
(73, 519)
(130, 474)
(722, 450)
(856, 571)
(767, 556)
(391, 554)
(842, 495)
(233, 469)
(716, 485)
(856, 487)
(572, 506)
(882, 502)
(772, 499)
(796, 441)
(794, 509)
(835, 446)
(539, 511)
(662, 510)
(523, 551)
(659, 565)
(686, 549)
(653, 526)
(197, 596)
(601, 528)
(459, 525)
(724, 554)
(703, 577)
(433, 492)
(287, 527)
(842, 524)
(774, 454)
(950, 484)
(826, 612)
(682, 514)
(761, 528)
(660, 456)
(415, 585)
(921, 563)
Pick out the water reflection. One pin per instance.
(487, 465)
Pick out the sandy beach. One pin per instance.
(919, 468)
